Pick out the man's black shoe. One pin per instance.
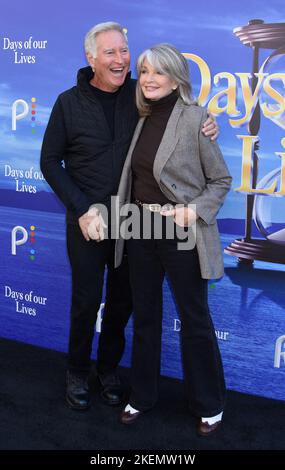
(112, 391)
(77, 392)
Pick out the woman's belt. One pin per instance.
(154, 207)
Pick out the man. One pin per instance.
(90, 129)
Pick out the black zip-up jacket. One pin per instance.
(78, 135)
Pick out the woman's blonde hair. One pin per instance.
(167, 60)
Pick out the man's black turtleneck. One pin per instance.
(145, 187)
(108, 102)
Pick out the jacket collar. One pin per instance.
(168, 141)
(167, 144)
(84, 76)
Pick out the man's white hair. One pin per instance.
(90, 38)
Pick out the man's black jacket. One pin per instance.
(78, 135)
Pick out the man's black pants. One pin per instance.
(88, 261)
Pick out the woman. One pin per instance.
(171, 162)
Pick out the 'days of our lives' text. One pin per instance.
(22, 187)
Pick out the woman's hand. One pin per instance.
(183, 216)
(210, 127)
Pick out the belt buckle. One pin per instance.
(167, 207)
(154, 207)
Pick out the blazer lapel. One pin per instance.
(134, 141)
(126, 176)
(168, 142)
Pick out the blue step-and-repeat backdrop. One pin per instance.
(238, 70)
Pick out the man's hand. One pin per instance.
(96, 227)
(210, 127)
(183, 216)
(84, 221)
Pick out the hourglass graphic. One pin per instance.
(267, 211)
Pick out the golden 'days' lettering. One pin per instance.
(230, 92)
(264, 82)
(268, 111)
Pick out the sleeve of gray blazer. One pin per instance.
(217, 178)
